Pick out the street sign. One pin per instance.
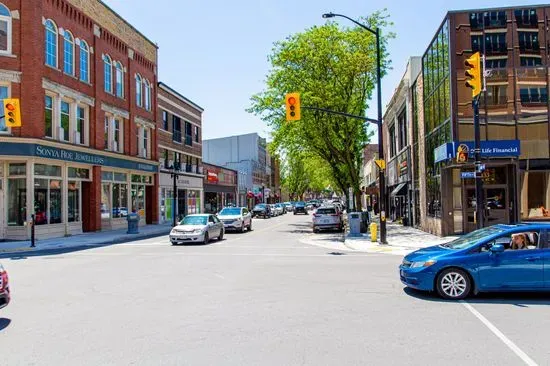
(467, 175)
(381, 164)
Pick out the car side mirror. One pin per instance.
(496, 249)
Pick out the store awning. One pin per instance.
(399, 191)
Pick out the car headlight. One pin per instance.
(197, 231)
(423, 264)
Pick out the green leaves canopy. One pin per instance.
(333, 68)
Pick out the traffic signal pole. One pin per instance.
(477, 156)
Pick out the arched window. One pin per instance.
(147, 94)
(119, 79)
(51, 43)
(68, 53)
(5, 29)
(108, 73)
(84, 61)
(138, 90)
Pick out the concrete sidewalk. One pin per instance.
(401, 240)
(100, 238)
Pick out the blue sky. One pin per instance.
(215, 52)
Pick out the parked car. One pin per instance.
(289, 206)
(197, 228)
(300, 207)
(262, 209)
(327, 217)
(274, 210)
(495, 258)
(236, 218)
(4, 288)
(280, 208)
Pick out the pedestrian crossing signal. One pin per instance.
(292, 101)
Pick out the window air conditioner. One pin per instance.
(76, 137)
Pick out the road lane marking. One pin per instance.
(524, 357)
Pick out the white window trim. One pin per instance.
(56, 43)
(8, 85)
(86, 124)
(111, 133)
(141, 143)
(117, 70)
(73, 53)
(110, 63)
(147, 96)
(139, 101)
(9, 20)
(72, 117)
(87, 48)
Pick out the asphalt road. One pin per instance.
(259, 298)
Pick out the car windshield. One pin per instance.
(194, 220)
(326, 211)
(230, 211)
(469, 239)
(260, 206)
(300, 203)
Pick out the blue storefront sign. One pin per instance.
(467, 175)
(491, 148)
(41, 151)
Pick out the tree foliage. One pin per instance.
(333, 68)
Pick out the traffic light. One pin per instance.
(473, 73)
(292, 101)
(12, 112)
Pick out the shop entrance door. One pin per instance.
(182, 207)
(496, 205)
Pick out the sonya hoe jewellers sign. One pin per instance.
(41, 151)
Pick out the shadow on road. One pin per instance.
(4, 323)
(523, 299)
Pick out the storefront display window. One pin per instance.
(48, 202)
(105, 200)
(17, 197)
(538, 196)
(210, 202)
(120, 200)
(193, 202)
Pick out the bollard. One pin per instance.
(373, 231)
(32, 231)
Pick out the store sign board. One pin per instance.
(41, 151)
(489, 148)
(443, 152)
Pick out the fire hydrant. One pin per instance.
(373, 231)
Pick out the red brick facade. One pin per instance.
(31, 79)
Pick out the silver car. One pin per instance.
(236, 218)
(199, 228)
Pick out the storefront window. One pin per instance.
(48, 202)
(210, 202)
(120, 200)
(169, 204)
(138, 200)
(73, 201)
(17, 200)
(538, 198)
(79, 173)
(193, 202)
(106, 200)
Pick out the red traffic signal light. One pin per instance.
(292, 101)
(12, 112)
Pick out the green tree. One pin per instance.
(333, 68)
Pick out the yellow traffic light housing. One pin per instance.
(473, 73)
(292, 102)
(12, 112)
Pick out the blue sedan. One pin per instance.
(496, 258)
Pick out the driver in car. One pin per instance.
(519, 241)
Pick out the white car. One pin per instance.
(327, 217)
(236, 218)
(199, 228)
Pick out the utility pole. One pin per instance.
(477, 156)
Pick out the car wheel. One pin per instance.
(294, 213)
(453, 284)
(206, 238)
(220, 237)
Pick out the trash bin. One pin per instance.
(354, 222)
(133, 223)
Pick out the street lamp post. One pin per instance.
(381, 175)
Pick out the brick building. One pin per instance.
(179, 123)
(84, 155)
(220, 187)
